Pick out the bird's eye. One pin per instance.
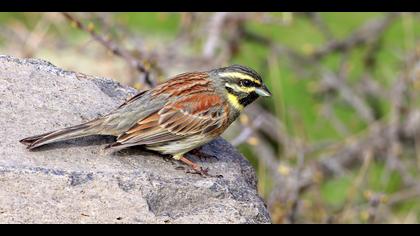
(246, 83)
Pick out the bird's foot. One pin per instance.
(200, 171)
(196, 169)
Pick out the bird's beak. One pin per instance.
(263, 91)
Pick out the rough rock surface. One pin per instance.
(77, 182)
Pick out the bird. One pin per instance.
(175, 117)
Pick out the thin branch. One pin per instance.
(215, 27)
(367, 33)
(114, 48)
(317, 20)
(347, 93)
(404, 195)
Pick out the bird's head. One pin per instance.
(241, 84)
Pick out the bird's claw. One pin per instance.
(199, 170)
(204, 172)
(196, 169)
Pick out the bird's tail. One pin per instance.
(77, 131)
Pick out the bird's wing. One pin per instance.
(190, 115)
(148, 102)
(134, 98)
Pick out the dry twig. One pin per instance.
(114, 48)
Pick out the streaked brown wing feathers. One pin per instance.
(197, 113)
(184, 85)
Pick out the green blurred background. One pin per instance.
(337, 142)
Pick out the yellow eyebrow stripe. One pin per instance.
(241, 76)
(246, 90)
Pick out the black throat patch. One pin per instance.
(244, 101)
(248, 99)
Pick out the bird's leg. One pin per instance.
(198, 152)
(197, 168)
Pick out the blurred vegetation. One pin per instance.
(339, 140)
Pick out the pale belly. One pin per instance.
(181, 146)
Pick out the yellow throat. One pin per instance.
(234, 101)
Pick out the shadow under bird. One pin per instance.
(175, 117)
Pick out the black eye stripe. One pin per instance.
(233, 92)
(248, 83)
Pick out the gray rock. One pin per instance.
(77, 182)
